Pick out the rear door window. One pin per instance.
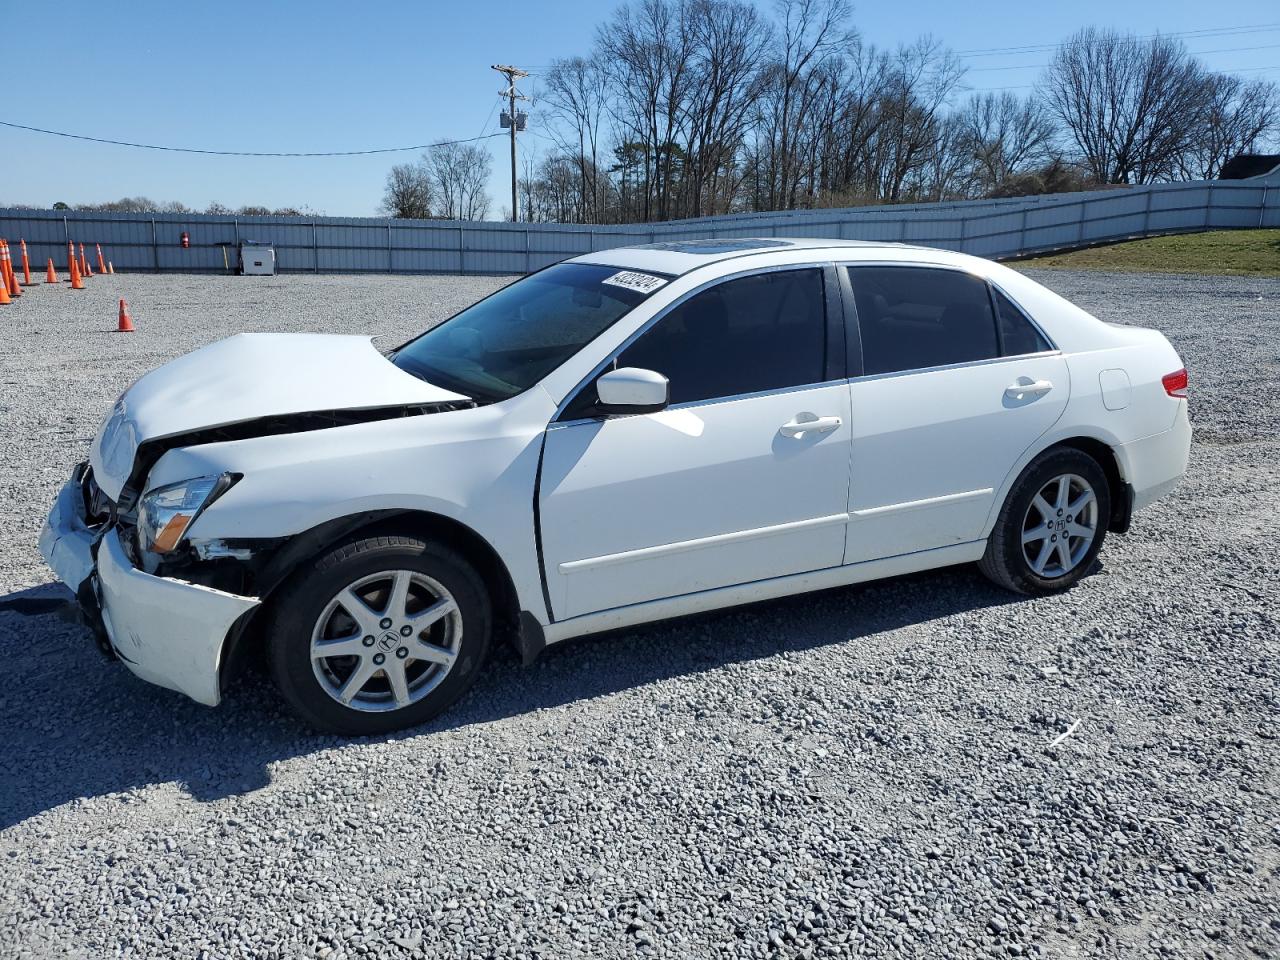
(911, 318)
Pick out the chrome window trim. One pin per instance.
(954, 366)
(955, 268)
(637, 334)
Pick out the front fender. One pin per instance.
(476, 467)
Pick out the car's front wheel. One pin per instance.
(1052, 524)
(379, 634)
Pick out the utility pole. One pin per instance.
(513, 121)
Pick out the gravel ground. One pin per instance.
(865, 771)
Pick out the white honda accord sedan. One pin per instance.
(627, 436)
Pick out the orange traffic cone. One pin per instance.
(77, 282)
(14, 289)
(52, 275)
(26, 264)
(110, 268)
(126, 323)
(88, 269)
(84, 264)
(102, 265)
(4, 295)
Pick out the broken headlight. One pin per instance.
(165, 513)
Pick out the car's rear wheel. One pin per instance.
(1052, 524)
(379, 634)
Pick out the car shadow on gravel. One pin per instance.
(75, 725)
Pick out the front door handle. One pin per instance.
(1024, 388)
(804, 423)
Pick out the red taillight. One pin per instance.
(1175, 384)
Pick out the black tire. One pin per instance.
(1005, 562)
(304, 599)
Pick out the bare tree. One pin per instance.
(1131, 106)
(1005, 135)
(923, 78)
(550, 189)
(1240, 114)
(729, 40)
(459, 175)
(577, 97)
(947, 171)
(855, 98)
(124, 205)
(646, 51)
(409, 192)
(302, 211)
(147, 205)
(684, 108)
(808, 32)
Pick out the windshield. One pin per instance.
(509, 341)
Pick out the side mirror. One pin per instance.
(632, 390)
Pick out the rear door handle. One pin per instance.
(804, 423)
(1024, 388)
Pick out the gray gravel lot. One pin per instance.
(864, 771)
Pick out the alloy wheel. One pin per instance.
(1060, 525)
(386, 640)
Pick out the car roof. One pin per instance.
(676, 257)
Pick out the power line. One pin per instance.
(239, 153)
(1194, 53)
(1207, 33)
(1032, 86)
(489, 118)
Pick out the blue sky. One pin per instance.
(320, 75)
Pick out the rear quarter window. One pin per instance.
(1018, 335)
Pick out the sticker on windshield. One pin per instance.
(633, 280)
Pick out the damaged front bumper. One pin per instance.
(167, 631)
(66, 542)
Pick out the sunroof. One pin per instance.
(716, 246)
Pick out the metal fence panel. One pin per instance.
(1004, 227)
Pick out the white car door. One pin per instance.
(956, 384)
(745, 476)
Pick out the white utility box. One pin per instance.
(257, 259)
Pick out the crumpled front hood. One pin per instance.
(247, 377)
